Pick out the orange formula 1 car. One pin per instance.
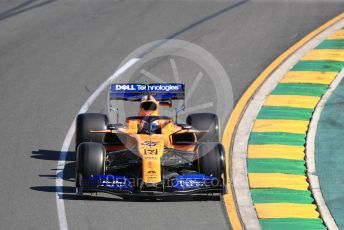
(150, 155)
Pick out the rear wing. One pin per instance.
(135, 92)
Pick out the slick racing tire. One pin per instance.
(212, 161)
(90, 121)
(90, 162)
(205, 121)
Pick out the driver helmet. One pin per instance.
(149, 128)
(155, 127)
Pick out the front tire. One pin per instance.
(90, 162)
(212, 161)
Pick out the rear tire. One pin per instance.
(212, 161)
(90, 162)
(205, 121)
(90, 121)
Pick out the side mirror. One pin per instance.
(186, 126)
(114, 126)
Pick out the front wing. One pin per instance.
(181, 185)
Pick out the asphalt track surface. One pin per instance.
(54, 54)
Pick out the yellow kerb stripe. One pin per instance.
(292, 101)
(286, 210)
(309, 77)
(278, 180)
(339, 34)
(325, 54)
(288, 126)
(276, 151)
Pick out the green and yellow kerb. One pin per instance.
(276, 151)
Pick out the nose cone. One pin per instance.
(151, 149)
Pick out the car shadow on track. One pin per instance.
(52, 155)
(179, 198)
(68, 171)
(65, 189)
(69, 191)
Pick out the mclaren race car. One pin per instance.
(150, 154)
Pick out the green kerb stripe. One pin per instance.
(281, 196)
(285, 113)
(265, 138)
(300, 89)
(292, 223)
(276, 165)
(323, 66)
(331, 44)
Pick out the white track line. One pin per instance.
(61, 212)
